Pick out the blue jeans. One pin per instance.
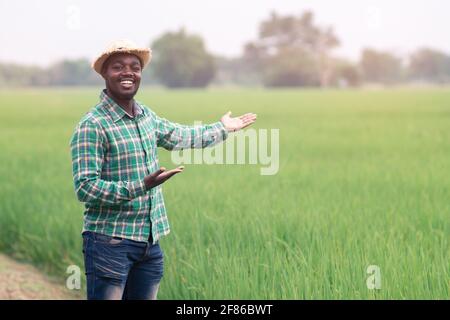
(119, 268)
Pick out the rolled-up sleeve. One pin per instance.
(175, 136)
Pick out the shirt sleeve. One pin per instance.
(175, 136)
(87, 149)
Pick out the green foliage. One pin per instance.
(181, 60)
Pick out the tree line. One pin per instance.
(290, 51)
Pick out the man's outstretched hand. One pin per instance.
(237, 123)
(160, 176)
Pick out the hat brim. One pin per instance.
(144, 55)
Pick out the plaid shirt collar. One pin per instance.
(117, 111)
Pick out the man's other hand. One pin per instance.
(160, 176)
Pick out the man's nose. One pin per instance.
(127, 71)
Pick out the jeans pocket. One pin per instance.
(87, 237)
(105, 239)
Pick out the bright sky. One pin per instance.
(42, 31)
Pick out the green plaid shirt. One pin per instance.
(112, 152)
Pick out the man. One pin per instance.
(117, 175)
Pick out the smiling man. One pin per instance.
(117, 176)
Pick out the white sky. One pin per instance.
(42, 31)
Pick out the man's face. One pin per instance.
(122, 74)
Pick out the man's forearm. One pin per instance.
(194, 137)
(98, 191)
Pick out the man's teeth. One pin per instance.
(126, 82)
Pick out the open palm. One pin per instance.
(237, 123)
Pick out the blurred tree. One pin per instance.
(73, 72)
(235, 71)
(291, 67)
(63, 73)
(380, 67)
(345, 74)
(17, 75)
(298, 39)
(149, 76)
(430, 65)
(181, 60)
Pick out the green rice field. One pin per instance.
(364, 179)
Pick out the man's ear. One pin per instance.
(103, 72)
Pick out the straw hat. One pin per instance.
(125, 46)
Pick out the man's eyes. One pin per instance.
(119, 67)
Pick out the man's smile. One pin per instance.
(127, 83)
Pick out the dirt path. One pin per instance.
(20, 281)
